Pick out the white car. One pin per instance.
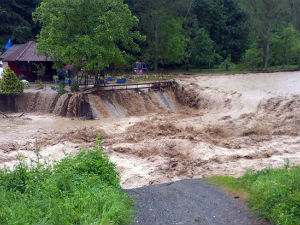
(26, 83)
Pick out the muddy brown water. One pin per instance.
(209, 125)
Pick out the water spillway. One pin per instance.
(93, 104)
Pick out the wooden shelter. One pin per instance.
(23, 58)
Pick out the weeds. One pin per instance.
(272, 193)
(81, 189)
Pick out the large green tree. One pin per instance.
(203, 50)
(265, 15)
(162, 23)
(16, 21)
(285, 45)
(91, 33)
(171, 43)
(226, 24)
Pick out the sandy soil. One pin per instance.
(220, 125)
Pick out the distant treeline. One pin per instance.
(194, 33)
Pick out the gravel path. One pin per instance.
(188, 202)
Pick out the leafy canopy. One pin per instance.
(92, 33)
(285, 45)
(173, 42)
(203, 49)
(10, 84)
(226, 24)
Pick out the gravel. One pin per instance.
(188, 202)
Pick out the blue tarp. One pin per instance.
(8, 45)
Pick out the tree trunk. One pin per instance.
(155, 47)
(266, 54)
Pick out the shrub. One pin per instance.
(273, 193)
(74, 86)
(61, 88)
(81, 189)
(10, 84)
(55, 77)
(252, 58)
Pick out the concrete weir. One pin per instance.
(93, 103)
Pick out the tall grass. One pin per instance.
(272, 193)
(82, 189)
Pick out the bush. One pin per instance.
(10, 84)
(273, 193)
(61, 88)
(253, 58)
(74, 86)
(81, 189)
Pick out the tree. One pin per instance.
(16, 21)
(253, 57)
(40, 70)
(264, 17)
(91, 33)
(285, 45)
(152, 15)
(291, 13)
(162, 23)
(10, 84)
(203, 49)
(226, 24)
(173, 43)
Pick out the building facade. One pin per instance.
(23, 60)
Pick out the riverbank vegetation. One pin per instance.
(81, 189)
(184, 34)
(272, 193)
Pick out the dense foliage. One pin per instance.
(266, 19)
(10, 83)
(91, 33)
(16, 21)
(82, 189)
(273, 193)
(196, 33)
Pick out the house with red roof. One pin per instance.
(23, 59)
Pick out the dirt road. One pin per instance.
(188, 202)
(209, 125)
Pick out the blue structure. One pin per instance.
(121, 80)
(8, 44)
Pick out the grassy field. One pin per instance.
(272, 193)
(84, 189)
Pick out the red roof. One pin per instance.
(69, 67)
(23, 52)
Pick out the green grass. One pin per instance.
(82, 189)
(149, 78)
(220, 69)
(272, 193)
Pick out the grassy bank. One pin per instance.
(234, 69)
(84, 189)
(272, 193)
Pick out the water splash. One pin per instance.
(162, 97)
(115, 111)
